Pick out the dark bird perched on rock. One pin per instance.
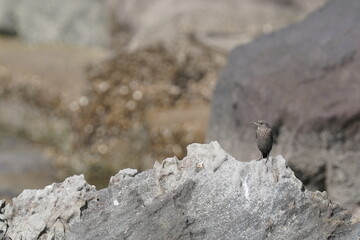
(264, 138)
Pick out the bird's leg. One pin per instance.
(267, 158)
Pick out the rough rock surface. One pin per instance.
(207, 195)
(3, 222)
(305, 81)
(81, 22)
(45, 214)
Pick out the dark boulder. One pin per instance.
(305, 81)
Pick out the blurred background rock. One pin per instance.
(304, 80)
(94, 86)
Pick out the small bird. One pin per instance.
(264, 138)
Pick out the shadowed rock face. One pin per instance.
(207, 195)
(305, 81)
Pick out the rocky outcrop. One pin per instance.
(44, 214)
(304, 80)
(207, 195)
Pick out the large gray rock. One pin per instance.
(81, 22)
(304, 80)
(207, 195)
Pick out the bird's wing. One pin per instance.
(271, 134)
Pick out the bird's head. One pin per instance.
(261, 123)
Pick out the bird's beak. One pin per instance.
(254, 123)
